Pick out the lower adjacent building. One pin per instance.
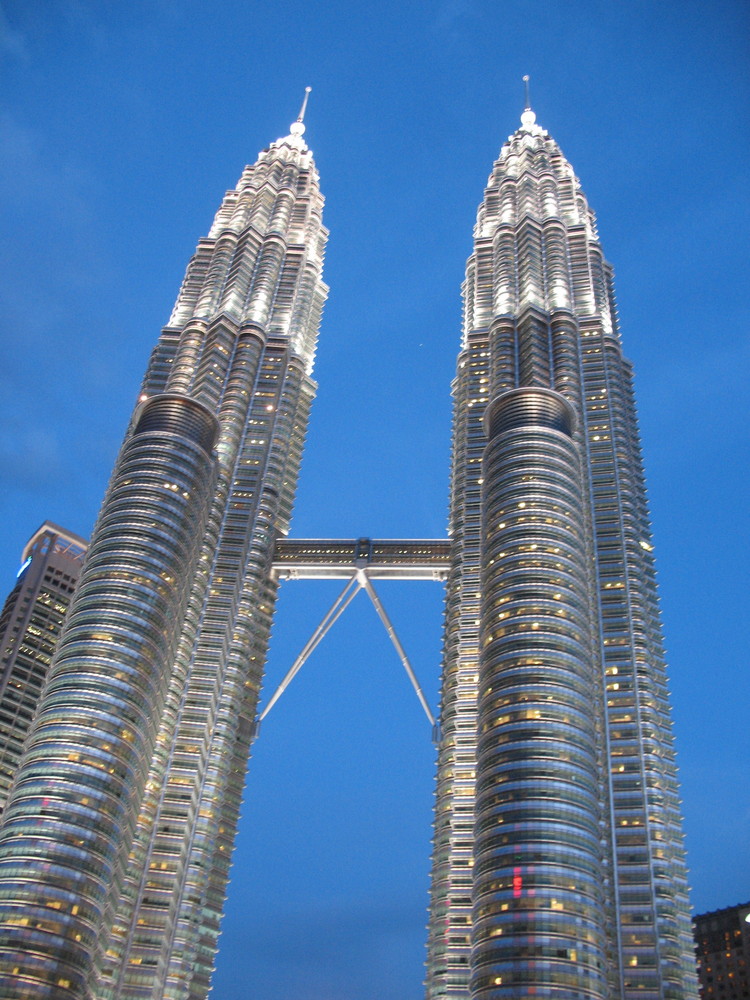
(722, 948)
(30, 624)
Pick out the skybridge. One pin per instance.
(382, 559)
(359, 561)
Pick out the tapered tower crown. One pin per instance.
(262, 260)
(533, 211)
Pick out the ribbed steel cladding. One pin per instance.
(538, 909)
(450, 910)
(125, 619)
(236, 672)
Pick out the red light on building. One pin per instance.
(517, 883)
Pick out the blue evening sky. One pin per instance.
(122, 124)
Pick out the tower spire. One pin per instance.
(528, 118)
(297, 128)
(301, 115)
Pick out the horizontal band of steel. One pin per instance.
(385, 559)
(174, 413)
(529, 406)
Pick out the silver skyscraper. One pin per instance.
(119, 828)
(558, 865)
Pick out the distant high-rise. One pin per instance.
(722, 946)
(30, 624)
(117, 837)
(558, 863)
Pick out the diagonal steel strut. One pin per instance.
(378, 605)
(337, 609)
(358, 581)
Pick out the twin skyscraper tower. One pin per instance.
(558, 868)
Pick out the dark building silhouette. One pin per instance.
(722, 948)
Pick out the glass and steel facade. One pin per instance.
(117, 837)
(558, 864)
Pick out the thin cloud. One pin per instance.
(12, 41)
(451, 14)
(31, 460)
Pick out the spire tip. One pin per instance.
(298, 128)
(301, 115)
(528, 118)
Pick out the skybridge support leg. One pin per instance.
(337, 609)
(382, 614)
(359, 581)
